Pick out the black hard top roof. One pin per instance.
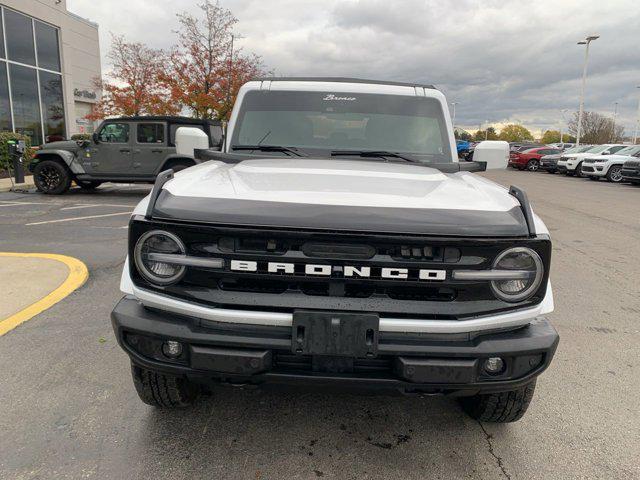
(165, 118)
(343, 80)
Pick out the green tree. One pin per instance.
(461, 134)
(515, 133)
(488, 134)
(553, 136)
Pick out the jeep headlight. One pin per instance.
(148, 254)
(527, 269)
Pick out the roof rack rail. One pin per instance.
(161, 179)
(525, 206)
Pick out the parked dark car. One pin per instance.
(530, 159)
(549, 163)
(125, 149)
(631, 171)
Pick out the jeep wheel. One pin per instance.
(594, 178)
(615, 174)
(51, 177)
(532, 165)
(166, 391)
(500, 407)
(88, 185)
(578, 171)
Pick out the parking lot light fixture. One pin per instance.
(585, 42)
(453, 116)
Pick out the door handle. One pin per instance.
(125, 150)
(156, 151)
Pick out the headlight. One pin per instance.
(530, 272)
(158, 242)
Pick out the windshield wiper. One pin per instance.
(271, 148)
(374, 154)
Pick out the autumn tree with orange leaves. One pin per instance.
(133, 86)
(205, 71)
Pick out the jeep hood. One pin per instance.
(341, 195)
(68, 145)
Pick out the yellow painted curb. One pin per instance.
(78, 274)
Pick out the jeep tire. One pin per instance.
(164, 391)
(502, 407)
(51, 177)
(615, 174)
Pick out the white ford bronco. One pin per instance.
(335, 240)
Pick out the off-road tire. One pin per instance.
(615, 174)
(51, 177)
(500, 407)
(163, 391)
(533, 165)
(88, 184)
(595, 179)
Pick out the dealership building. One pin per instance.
(49, 59)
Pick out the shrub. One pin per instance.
(5, 161)
(81, 136)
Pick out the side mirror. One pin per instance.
(494, 153)
(95, 137)
(188, 139)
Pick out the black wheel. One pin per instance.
(500, 407)
(51, 177)
(166, 391)
(578, 171)
(595, 179)
(533, 165)
(88, 185)
(615, 174)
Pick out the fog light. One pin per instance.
(494, 365)
(172, 349)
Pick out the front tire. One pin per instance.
(502, 407)
(578, 171)
(163, 391)
(51, 178)
(615, 174)
(533, 165)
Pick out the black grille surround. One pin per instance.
(410, 298)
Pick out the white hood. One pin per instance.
(341, 182)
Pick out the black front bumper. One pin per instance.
(548, 165)
(411, 363)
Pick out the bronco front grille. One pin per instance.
(427, 291)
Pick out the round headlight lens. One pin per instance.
(153, 270)
(529, 266)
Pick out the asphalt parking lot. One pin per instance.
(69, 410)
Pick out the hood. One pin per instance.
(555, 156)
(68, 145)
(340, 194)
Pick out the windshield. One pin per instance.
(576, 149)
(632, 150)
(322, 122)
(597, 149)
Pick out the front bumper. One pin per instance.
(549, 165)
(631, 175)
(594, 169)
(257, 354)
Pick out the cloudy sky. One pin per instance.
(502, 61)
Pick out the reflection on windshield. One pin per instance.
(322, 122)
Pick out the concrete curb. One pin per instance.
(78, 275)
(6, 186)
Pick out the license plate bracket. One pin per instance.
(335, 333)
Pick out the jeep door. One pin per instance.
(150, 147)
(112, 155)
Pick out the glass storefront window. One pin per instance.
(26, 111)
(2, 54)
(52, 106)
(19, 37)
(5, 112)
(47, 45)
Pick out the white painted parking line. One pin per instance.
(73, 219)
(90, 205)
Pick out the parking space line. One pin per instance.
(90, 205)
(73, 219)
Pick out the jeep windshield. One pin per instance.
(323, 123)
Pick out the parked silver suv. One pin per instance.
(126, 149)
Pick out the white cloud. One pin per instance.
(501, 60)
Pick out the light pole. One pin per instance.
(613, 127)
(453, 119)
(486, 131)
(586, 42)
(635, 133)
(564, 120)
